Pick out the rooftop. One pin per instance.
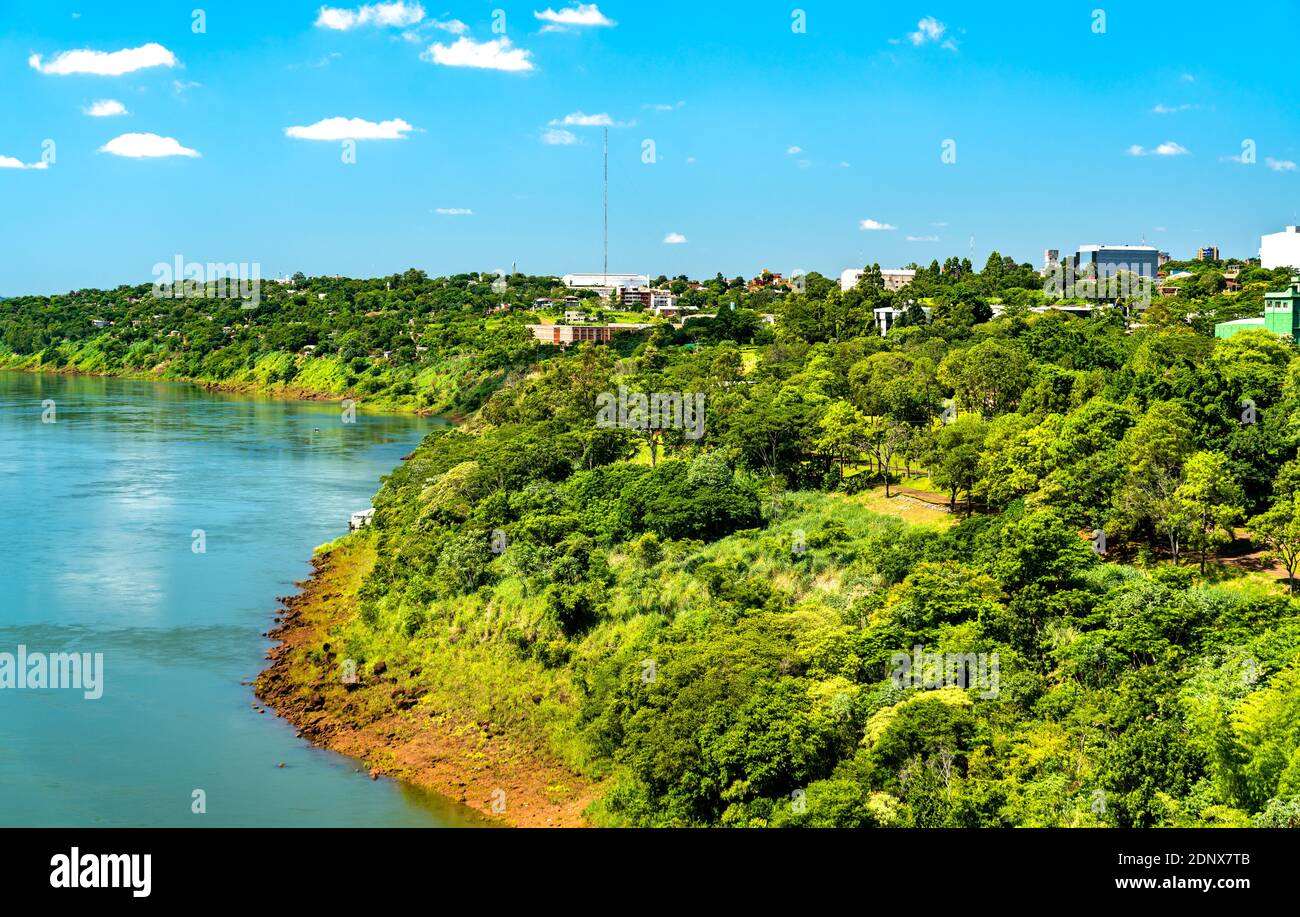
(1118, 248)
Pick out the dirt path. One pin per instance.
(928, 497)
(402, 736)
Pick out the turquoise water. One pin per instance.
(97, 518)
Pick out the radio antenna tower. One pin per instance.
(606, 206)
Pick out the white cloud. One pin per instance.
(146, 146)
(1188, 78)
(1162, 109)
(794, 151)
(929, 31)
(875, 226)
(580, 119)
(105, 63)
(1280, 165)
(454, 26)
(180, 88)
(922, 238)
(559, 137)
(8, 162)
(454, 211)
(488, 55)
(105, 108)
(581, 14)
(1168, 148)
(663, 107)
(395, 15)
(674, 238)
(351, 129)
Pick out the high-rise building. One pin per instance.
(1114, 259)
(1209, 253)
(1280, 249)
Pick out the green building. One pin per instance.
(1281, 316)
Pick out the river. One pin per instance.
(103, 513)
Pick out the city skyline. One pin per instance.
(820, 137)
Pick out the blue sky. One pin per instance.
(772, 146)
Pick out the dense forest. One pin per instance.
(1024, 570)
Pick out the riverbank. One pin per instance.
(274, 391)
(394, 724)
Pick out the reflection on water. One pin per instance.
(98, 514)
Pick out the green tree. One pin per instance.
(955, 466)
(1279, 528)
(842, 432)
(1210, 500)
(989, 377)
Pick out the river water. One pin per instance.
(101, 511)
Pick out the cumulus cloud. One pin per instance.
(1280, 165)
(559, 137)
(794, 151)
(351, 129)
(674, 238)
(9, 162)
(105, 63)
(394, 15)
(929, 31)
(105, 108)
(1168, 148)
(876, 226)
(498, 54)
(580, 14)
(146, 146)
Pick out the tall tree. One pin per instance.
(1211, 501)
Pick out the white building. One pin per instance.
(895, 278)
(1280, 249)
(887, 317)
(605, 284)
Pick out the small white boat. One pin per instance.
(361, 519)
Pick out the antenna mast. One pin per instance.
(606, 206)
